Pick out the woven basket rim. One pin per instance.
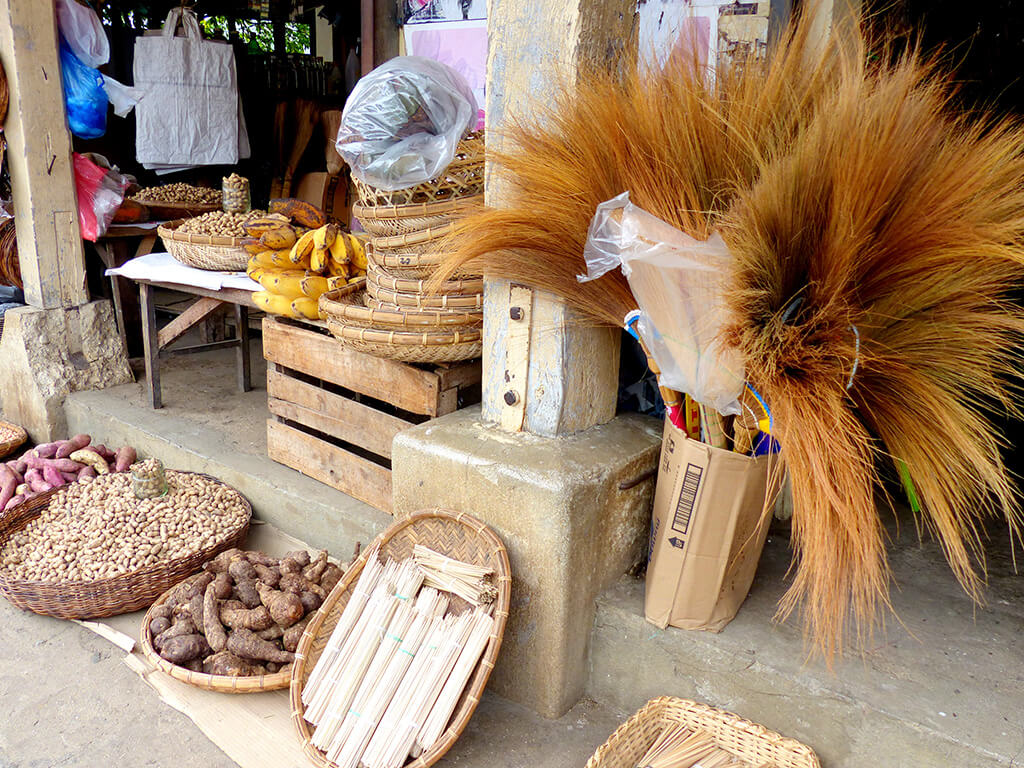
(168, 231)
(219, 683)
(350, 306)
(418, 210)
(414, 238)
(478, 681)
(425, 301)
(7, 447)
(460, 286)
(393, 338)
(35, 506)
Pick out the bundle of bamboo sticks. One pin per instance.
(394, 668)
(682, 747)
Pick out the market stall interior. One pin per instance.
(676, 387)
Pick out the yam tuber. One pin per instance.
(273, 632)
(242, 570)
(296, 583)
(237, 616)
(158, 625)
(92, 459)
(195, 610)
(227, 663)
(332, 575)
(310, 601)
(301, 556)
(184, 648)
(269, 575)
(246, 644)
(68, 447)
(216, 636)
(187, 589)
(247, 593)
(163, 610)
(285, 608)
(223, 585)
(124, 458)
(194, 665)
(220, 563)
(315, 569)
(293, 634)
(183, 626)
(261, 558)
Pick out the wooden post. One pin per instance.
(556, 376)
(39, 151)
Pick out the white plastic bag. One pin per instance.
(83, 31)
(678, 283)
(123, 97)
(189, 111)
(403, 121)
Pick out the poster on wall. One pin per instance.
(422, 11)
(462, 45)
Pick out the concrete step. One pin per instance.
(206, 425)
(941, 686)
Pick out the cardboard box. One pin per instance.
(707, 533)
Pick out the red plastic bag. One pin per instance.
(100, 194)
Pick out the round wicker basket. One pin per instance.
(217, 254)
(464, 177)
(424, 301)
(385, 280)
(350, 308)
(436, 346)
(102, 597)
(453, 534)
(754, 744)
(218, 683)
(391, 220)
(161, 210)
(12, 437)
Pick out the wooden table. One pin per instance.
(156, 343)
(114, 249)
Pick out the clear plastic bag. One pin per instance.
(83, 31)
(100, 193)
(403, 121)
(678, 283)
(84, 95)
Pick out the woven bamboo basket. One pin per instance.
(12, 437)
(453, 534)
(748, 741)
(218, 683)
(424, 301)
(390, 220)
(160, 210)
(435, 346)
(388, 282)
(408, 263)
(350, 308)
(102, 597)
(214, 253)
(423, 239)
(464, 177)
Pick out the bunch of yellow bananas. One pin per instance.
(295, 264)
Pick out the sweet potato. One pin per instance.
(35, 481)
(269, 575)
(296, 583)
(332, 575)
(105, 453)
(216, 636)
(92, 459)
(53, 477)
(293, 634)
(237, 616)
(124, 458)
(226, 663)
(18, 467)
(182, 626)
(247, 593)
(246, 644)
(68, 447)
(15, 501)
(87, 473)
(69, 477)
(8, 484)
(315, 569)
(242, 570)
(44, 451)
(285, 608)
(158, 625)
(182, 648)
(223, 585)
(310, 601)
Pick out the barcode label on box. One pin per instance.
(687, 498)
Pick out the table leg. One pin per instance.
(244, 363)
(151, 344)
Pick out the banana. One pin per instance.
(274, 304)
(303, 247)
(305, 307)
(282, 236)
(263, 259)
(357, 252)
(325, 236)
(313, 286)
(318, 261)
(252, 245)
(299, 211)
(336, 281)
(334, 269)
(356, 279)
(280, 259)
(288, 283)
(256, 227)
(340, 250)
(255, 273)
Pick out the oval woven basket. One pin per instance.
(752, 743)
(12, 437)
(218, 683)
(437, 346)
(214, 253)
(391, 220)
(432, 237)
(464, 177)
(382, 279)
(424, 301)
(102, 597)
(453, 534)
(349, 307)
(161, 210)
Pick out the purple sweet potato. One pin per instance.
(102, 450)
(124, 458)
(76, 443)
(69, 477)
(53, 477)
(39, 485)
(67, 465)
(8, 482)
(15, 501)
(18, 467)
(44, 451)
(87, 473)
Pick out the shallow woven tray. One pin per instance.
(748, 741)
(349, 307)
(102, 597)
(158, 210)
(376, 275)
(218, 683)
(424, 300)
(464, 177)
(215, 253)
(453, 534)
(437, 346)
(12, 437)
(390, 220)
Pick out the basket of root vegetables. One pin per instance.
(234, 627)
(93, 548)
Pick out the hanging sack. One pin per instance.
(189, 111)
(84, 97)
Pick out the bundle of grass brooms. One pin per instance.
(876, 234)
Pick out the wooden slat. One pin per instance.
(460, 374)
(227, 295)
(198, 311)
(333, 414)
(330, 464)
(314, 354)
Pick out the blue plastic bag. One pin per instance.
(84, 95)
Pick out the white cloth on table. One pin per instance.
(164, 268)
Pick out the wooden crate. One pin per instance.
(335, 411)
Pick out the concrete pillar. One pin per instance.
(60, 342)
(544, 461)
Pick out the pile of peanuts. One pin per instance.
(98, 530)
(179, 193)
(220, 223)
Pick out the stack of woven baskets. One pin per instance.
(392, 314)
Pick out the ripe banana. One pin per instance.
(262, 259)
(313, 286)
(334, 269)
(305, 307)
(254, 273)
(357, 253)
(282, 236)
(274, 304)
(340, 253)
(303, 247)
(282, 259)
(256, 227)
(287, 283)
(336, 281)
(299, 211)
(324, 237)
(252, 245)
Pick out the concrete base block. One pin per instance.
(47, 353)
(574, 512)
